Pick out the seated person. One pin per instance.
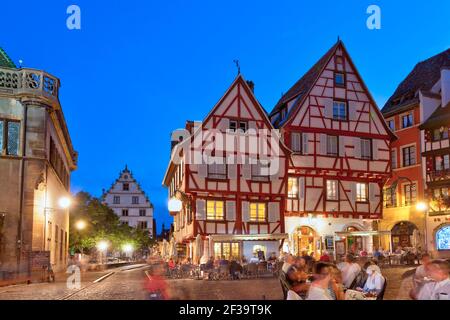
(235, 269)
(321, 283)
(439, 288)
(296, 276)
(420, 276)
(375, 281)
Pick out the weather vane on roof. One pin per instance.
(236, 62)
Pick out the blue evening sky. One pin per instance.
(138, 69)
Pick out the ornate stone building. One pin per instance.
(36, 159)
(130, 202)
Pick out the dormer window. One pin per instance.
(125, 187)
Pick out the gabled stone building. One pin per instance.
(130, 202)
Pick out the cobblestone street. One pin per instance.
(129, 285)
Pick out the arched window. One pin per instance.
(443, 238)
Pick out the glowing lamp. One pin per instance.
(80, 225)
(175, 205)
(64, 202)
(102, 245)
(128, 248)
(421, 206)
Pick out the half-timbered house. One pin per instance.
(340, 157)
(229, 173)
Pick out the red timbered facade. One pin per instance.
(229, 171)
(340, 157)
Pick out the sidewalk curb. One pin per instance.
(104, 277)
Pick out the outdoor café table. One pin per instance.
(357, 295)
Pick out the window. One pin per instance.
(227, 250)
(292, 188)
(296, 142)
(390, 197)
(409, 156)
(217, 171)
(116, 200)
(142, 225)
(442, 162)
(366, 149)
(125, 187)
(142, 212)
(339, 110)
(124, 212)
(407, 120)
(234, 125)
(440, 193)
(410, 194)
(9, 137)
(58, 164)
(361, 192)
(443, 238)
(332, 145)
(332, 190)
(440, 134)
(214, 210)
(394, 158)
(258, 212)
(391, 124)
(135, 200)
(339, 79)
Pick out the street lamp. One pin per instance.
(102, 246)
(64, 202)
(421, 206)
(80, 225)
(175, 205)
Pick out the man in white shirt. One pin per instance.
(349, 269)
(319, 287)
(439, 289)
(288, 262)
(420, 276)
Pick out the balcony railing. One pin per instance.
(438, 175)
(29, 81)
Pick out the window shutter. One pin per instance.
(200, 209)
(231, 210)
(305, 142)
(274, 211)
(295, 141)
(323, 144)
(328, 111)
(245, 211)
(232, 171)
(357, 149)
(375, 146)
(341, 146)
(301, 186)
(247, 171)
(202, 170)
(372, 191)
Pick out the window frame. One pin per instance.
(410, 192)
(328, 145)
(127, 186)
(215, 218)
(125, 211)
(366, 193)
(403, 148)
(336, 196)
(340, 85)
(5, 135)
(291, 195)
(258, 205)
(370, 142)
(407, 115)
(144, 211)
(339, 118)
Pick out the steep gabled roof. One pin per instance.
(423, 77)
(5, 60)
(306, 82)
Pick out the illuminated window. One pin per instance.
(361, 192)
(332, 190)
(227, 250)
(443, 238)
(390, 197)
(257, 211)
(292, 188)
(410, 191)
(214, 210)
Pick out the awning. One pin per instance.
(362, 233)
(249, 237)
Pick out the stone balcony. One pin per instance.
(29, 83)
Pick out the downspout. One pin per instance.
(21, 191)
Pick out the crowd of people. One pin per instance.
(323, 280)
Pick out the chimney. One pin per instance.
(251, 85)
